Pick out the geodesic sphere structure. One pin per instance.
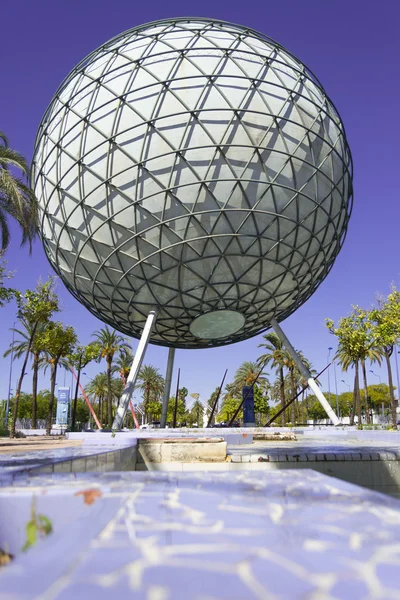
(194, 167)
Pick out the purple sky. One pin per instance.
(353, 48)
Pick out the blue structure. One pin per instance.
(248, 406)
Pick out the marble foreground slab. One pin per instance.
(207, 536)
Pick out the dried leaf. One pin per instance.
(89, 496)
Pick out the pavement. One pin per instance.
(313, 446)
(35, 443)
(280, 535)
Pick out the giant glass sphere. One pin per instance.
(194, 167)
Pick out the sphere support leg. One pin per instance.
(305, 372)
(167, 388)
(134, 372)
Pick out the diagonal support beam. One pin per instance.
(305, 372)
(167, 387)
(134, 372)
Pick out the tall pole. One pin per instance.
(134, 372)
(329, 376)
(9, 379)
(176, 399)
(305, 372)
(303, 389)
(90, 407)
(167, 387)
(216, 399)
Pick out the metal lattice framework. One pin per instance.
(192, 165)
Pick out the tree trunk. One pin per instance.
(52, 393)
(19, 386)
(353, 412)
(364, 371)
(358, 403)
(101, 409)
(391, 390)
(294, 392)
(147, 400)
(282, 394)
(35, 368)
(74, 405)
(307, 415)
(109, 394)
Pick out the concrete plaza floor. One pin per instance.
(273, 520)
(279, 535)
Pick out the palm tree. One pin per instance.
(304, 384)
(123, 364)
(247, 374)
(275, 356)
(293, 378)
(20, 347)
(198, 412)
(151, 383)
(373, 355)
(98, 389)
(16, 198)
(110, 344)
(346, 360)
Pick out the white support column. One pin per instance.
(134, 372)
(167, 387)
(305, 372)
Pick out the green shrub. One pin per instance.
(3, 430)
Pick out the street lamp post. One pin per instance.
(9, 379)
(329, 377)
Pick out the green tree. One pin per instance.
(151, 384)
(19, 349)
(59, 342)
(26, 401)
(356, 345)
(154, 408)
(123, 364)
(181, 412)
(110, 343)
(6, 293)
(386, 333)
(261, 406)
(16, 198)
(35, 308)
(247, 374)
(295, 379)
(379, 394)
(275, 356)
(97, 389)
(210, 404)
(197, 413)
(315, 409)
(78, 360)
(345, 401)
(228, 409)
(82, 412)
